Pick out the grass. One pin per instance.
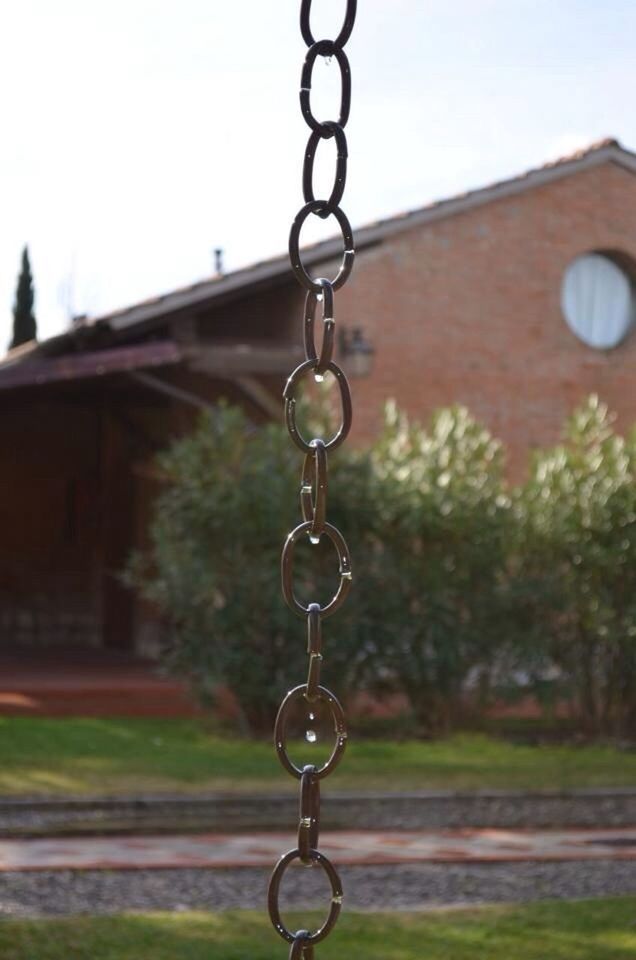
(584, 930)
(83, 756)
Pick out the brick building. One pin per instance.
(515, 300)
(463, 301)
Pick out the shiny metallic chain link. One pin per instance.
(313, 484)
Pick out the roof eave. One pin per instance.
(500, 191)
(245, 280)
(269, 272)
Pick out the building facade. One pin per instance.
(466, 305)
(515, 300)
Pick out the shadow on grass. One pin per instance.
(585, 930)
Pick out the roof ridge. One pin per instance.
(405, 217)
(582, 152)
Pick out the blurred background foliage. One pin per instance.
(466, 589)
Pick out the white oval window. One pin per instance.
(597, 300)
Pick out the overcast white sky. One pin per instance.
(139, 135)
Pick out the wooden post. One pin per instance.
(116, 527)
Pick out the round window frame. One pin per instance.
(624, 263)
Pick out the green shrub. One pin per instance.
(230, 497)
(432, 576)
(576, 569)
(458, 583)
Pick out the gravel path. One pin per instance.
(406, 811)
(48, 893)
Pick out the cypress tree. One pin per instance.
(24, 326)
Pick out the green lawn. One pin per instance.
(81, 756)
(584, 930)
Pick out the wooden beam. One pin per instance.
(177, 393)
(184, 331)
(243, 359)
(117, 524)
(260, 396)
(94, 364)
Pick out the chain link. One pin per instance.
(314, 482)
(319, 207)
(309, 815)
(347, 26)
(342, 155)
(314, 470)
(328, 326)
(325, 48)
(289, 396)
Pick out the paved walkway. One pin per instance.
(211, 850)
(88, 683)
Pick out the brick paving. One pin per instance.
(214, 850)
(88, 683)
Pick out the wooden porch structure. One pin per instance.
(82, 416)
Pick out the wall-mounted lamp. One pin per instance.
(357, 351)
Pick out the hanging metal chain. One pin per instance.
(313, 484)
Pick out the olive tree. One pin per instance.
(230, 495)
(434, 559)
(576, 562)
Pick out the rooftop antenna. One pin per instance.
(218, 261)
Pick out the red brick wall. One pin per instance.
(467, 310)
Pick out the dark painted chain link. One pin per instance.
(313, 485)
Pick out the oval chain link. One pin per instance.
(309, 813)
(339, 726)
(325, 48)
(314, 471)
(347, 26)
(314, 483)
(328, 326)
(300, 949)
(348, 256)
(340, 178)
(289, 396)
(274, 891)
(287, 569)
